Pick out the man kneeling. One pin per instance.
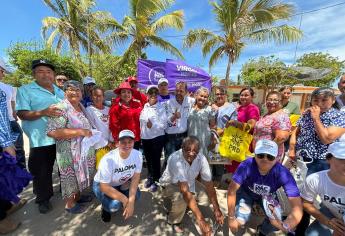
(183, 168)
(255, 181)
(116, 181)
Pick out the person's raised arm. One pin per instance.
(326, 135)
(51, 111)
(192, 204)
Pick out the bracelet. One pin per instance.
(232, 217)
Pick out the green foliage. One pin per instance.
(109, 74)
(266, 72)
(22, 54)
(318, 60)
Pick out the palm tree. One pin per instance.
(77, 26)
(243, 22)
(144, 23)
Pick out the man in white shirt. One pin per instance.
(184, 167)
(329, 185)
(11, 104)
(178, 111)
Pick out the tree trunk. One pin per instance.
(227, 75)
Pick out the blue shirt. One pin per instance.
(256, 185)
(32, 97)
(6, 138)
(308, 139)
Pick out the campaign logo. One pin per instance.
(261, 189)
(156, 73)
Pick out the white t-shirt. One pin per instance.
(179, 170)
(115, 170)
(10, 97)
(100, 118)
(332, 195)
(180, 125)
(157, 115)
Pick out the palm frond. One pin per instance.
(170, 20)
(165, 45)
(197, 36)
(216, 55)
(278, 34)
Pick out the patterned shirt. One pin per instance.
(5, 131)
(308, 139)
(266, 127)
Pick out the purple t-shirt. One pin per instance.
(248, 176)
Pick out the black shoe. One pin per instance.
(106, 216)
(44, 207)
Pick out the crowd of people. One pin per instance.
(101, 145)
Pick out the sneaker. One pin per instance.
(8, 226)
(153, 188)
(44, 207)
(106, 216)
(148, 182)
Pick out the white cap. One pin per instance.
(3, 66)
(337, 149)
(151, 87)
(126, 133)
(89, 80)
(265, 146)
(163, 80)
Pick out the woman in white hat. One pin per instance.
(329, 185)
(116, 181)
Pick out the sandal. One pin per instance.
(177, 229)
(85, 198)
(17, 206)
(77, 209)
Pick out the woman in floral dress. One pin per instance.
(69, 129)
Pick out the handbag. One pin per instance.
(234, 144)
(100, 154)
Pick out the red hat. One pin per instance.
(132, 78)
(123, 85)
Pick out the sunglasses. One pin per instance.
(269, 157)
(64, 80)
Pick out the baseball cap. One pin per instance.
(3, 66)
(89, 80)
(42, 62)
(337, 149)
(151, 87)
(265, 146)
(163, 80)
(126, 133)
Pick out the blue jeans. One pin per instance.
(244, 204)
(109, 204)
(318, 229)
(317, 165)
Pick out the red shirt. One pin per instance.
(125, 117)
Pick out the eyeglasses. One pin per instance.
(273, 101)
(269, 157)
(64, 80)
(71, 90)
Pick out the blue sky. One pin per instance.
(323, 30)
